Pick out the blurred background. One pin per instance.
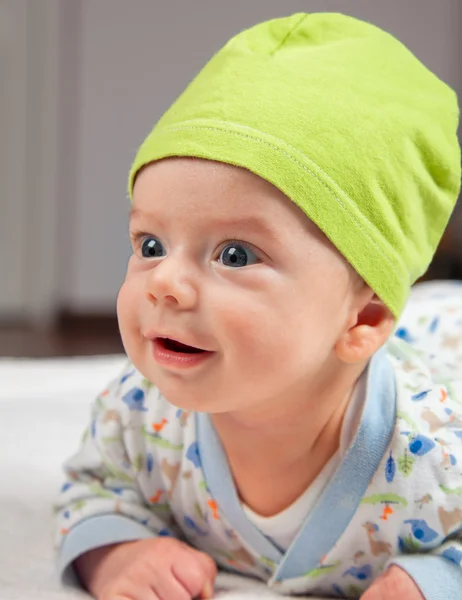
(81, 84)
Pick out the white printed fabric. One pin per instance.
(146, 468)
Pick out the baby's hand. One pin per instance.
(155, 569)
(393, 584)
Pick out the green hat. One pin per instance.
(344, 120)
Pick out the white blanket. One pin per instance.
(44, 407)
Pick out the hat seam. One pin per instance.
(288, 34)
(392, 265)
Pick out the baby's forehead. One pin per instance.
(219, 193)
(211, 187)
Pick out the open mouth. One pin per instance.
(175, 346)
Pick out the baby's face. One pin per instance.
(224, 262)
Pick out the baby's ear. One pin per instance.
(371, 324)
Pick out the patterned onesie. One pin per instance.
(146, 468)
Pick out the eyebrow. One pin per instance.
(249, 224)
(134, 213)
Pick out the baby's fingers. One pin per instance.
(207, 591)
(393, 584)
(139, 595)
(210, 567)
(194, 579)
(170, 588)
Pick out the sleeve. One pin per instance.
(101, 501)
(437, 574)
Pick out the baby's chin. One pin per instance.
(178, 391)
(190, 402)
(189, 399)
(203, 390)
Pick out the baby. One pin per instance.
(269, 423)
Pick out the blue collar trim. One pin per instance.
(341, 497)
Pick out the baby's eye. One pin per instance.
(237, 255)
(152, 248)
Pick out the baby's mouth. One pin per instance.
(175, 346)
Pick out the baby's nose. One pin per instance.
(170, 281)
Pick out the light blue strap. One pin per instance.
(342, 496)
(340, 499)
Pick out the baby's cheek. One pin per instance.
(124, 314)
(250, 333)
(265, 354)
(129, 318)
